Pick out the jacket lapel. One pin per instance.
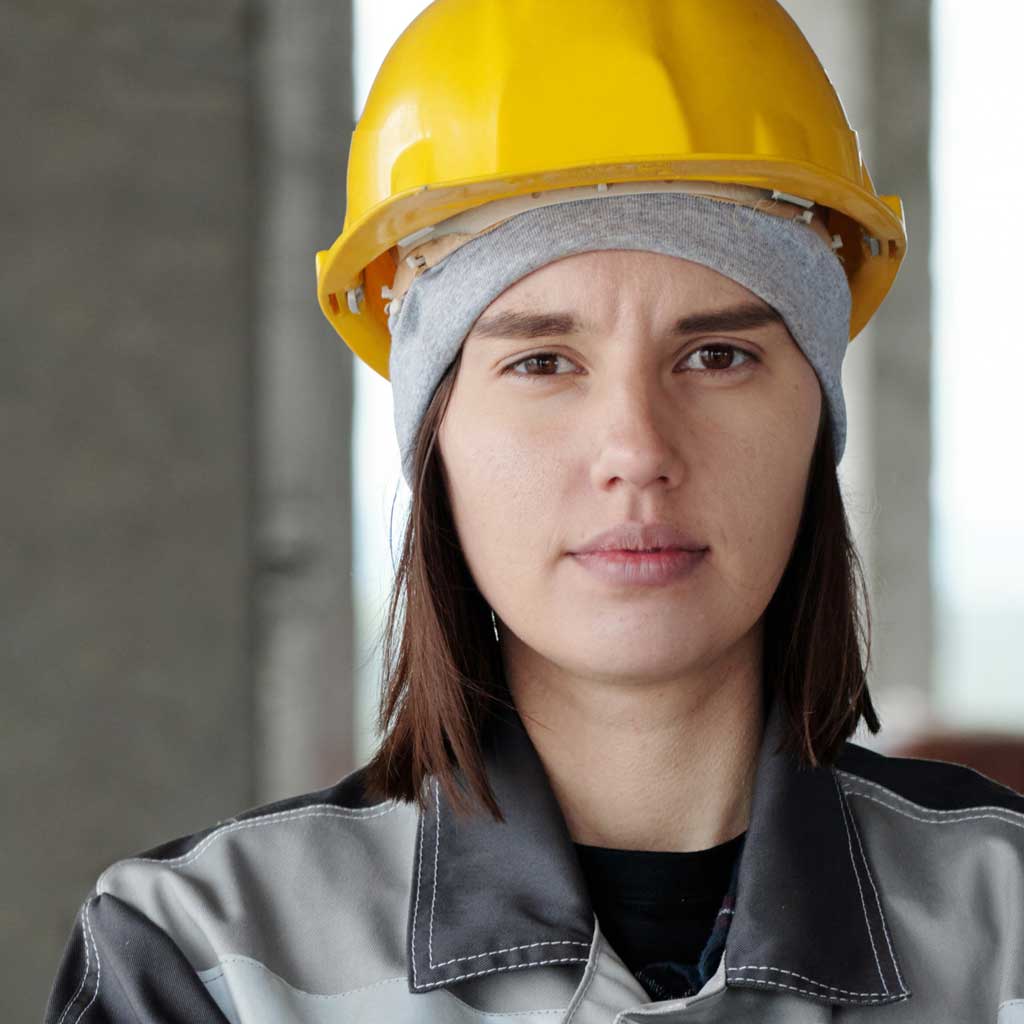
(808, 912)
(489, 896)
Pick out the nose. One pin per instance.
(636, 432)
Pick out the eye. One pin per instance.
(540, 358)
(715, 358)
(718, 353)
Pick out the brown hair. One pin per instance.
(443, 672)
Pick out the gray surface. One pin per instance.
(878, 54)
(901, 453)
(305, 668)
(129, 193)
(300, 913)
(318, 894)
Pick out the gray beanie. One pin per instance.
(784, 262)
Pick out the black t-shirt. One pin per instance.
(658, 909)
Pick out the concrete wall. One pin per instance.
(902, 449)
(304, 398)
(149, 246)
(878, 54)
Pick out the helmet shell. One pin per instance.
(483, 99)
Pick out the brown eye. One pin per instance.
(719, 358)
(546, 360)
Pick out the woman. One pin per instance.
(615, 780)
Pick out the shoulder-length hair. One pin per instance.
(442, 667)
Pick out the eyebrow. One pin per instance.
(524, 326)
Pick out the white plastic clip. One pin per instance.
(355, 297)
(386, 292)
(873, 244)
(392, 308)
(837, 242)
(807, 216)
(416, 261)
(603, 187)
(787, 198)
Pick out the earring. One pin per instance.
(494, 623)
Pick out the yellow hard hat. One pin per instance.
(481, 100)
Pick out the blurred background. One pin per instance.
(202, 497)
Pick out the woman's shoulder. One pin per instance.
(297, 896)
(937, 821)
(329, 853)
(336, 826)
(915, 787)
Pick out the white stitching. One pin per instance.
(803, 991)
(251, 962)
(494, 970)
(867, 922)
(81, 985)
(511, 949)
(416, 908)
(929, 810)
(313, 811)
(433, 897)
(433, 900)
(88, 925)
(878, 903)
(941, 821)
(802, 977)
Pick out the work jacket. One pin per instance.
(882, 890)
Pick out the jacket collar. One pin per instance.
(490, 896)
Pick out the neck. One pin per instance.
(642, 765)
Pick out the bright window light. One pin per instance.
(978, 478)
(380, 495)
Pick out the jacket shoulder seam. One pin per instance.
(994, 810)
(234, 825)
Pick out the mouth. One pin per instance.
(641, 567)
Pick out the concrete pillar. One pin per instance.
(305, 663)
(162, 198)
(904, 599)
(878, 55)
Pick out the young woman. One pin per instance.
(624, 248)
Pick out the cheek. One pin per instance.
(503, 490)
(763, 494)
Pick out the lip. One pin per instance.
(638, 537)
(641, 568)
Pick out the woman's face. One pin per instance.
(580, 403)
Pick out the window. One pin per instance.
(380, 494)
(978, 366)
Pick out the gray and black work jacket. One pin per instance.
(881, 891)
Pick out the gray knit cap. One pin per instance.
(784, 262)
